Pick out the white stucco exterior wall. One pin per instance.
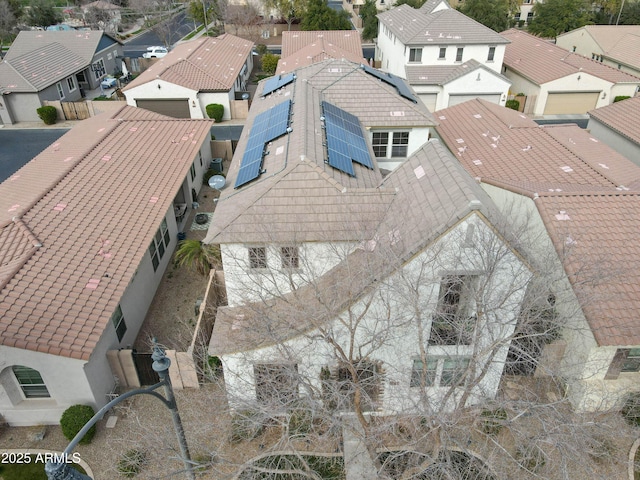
(621, 144)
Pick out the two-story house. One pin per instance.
(447, 57)
(582, 200)
(331, 261)
(86, 231)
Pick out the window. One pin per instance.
(30, 382)
(81, 77)
(529, 17)
(380, 141)
(400, 144)
(289, 257)
(200, 157)
(98, 69)
(492, 53)
(276, 384)
(71, 84)
(453, 323)
(192, 170)
(257, 257)
(443, 53)
(60, 90)
(118, 322)
(368, 379)
(439, 372)
(459, 52)
(159, 244)
(632, 361)
(415, 55)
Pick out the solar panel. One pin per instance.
(397, 82)
(274, 83)
(345, 140)
(266, 127)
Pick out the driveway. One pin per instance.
(17, 147)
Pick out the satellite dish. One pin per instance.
(217, 182)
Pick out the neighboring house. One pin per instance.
(193, 75)
(618, 125)
(556, 81)
(302, 48)
(315, 238)
(584, 200)
(617, 46)
(53, 65)
(87, 229)
(446, 56)
(110, 11)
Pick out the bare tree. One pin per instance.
(98, 18)
(7, 24)
(243, 19)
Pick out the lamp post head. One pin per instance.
(160, 361)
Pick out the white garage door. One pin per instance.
(489, 97)
(171, 108)
(429, 100)
(570, 102)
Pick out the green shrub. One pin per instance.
(513, 104)
(269, 63)
(48, 114)
(261, 49)
(215, 111)
(493, 420)
(245, 425)
(74, 418)
(619, 98)
(131, 463)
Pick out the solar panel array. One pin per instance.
(274, 83)
(266, 127)
(392, 80)
(345, 140)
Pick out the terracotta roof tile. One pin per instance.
(206, 64)
(565, 170)
(623, 117)
(443, 74)
(542, 61)
(47, 293)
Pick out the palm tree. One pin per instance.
(194, 254)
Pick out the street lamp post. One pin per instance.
(63, 471)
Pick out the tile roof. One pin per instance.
(442, 27)
(608, 37)
(443, 74)
(622, 117)
(76, 221)
(541, 61)
(38, 59)
(302, 48)
(425, 196)
(564, 169)
(300, 196)
(206, 64)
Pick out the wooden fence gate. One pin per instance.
(75, 110)
(146, 374)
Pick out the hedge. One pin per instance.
(74, 418)
(215, 111)
(48, 114)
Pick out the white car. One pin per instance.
(155, 52)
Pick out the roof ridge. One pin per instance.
(22, 226)
(19, 74)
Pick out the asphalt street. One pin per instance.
(17, 147)
(179, 26)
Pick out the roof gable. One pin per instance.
(622, 117)
(76, 221)
(443, 74)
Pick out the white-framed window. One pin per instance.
(380, 142)
(30, 382)
(71, 83)
(492, 54)
(117, 319)
(98, 69)
(290, 257)
(257, 257)
(400, 144)
(529, 17)
(395, 142)
(60, 90)
(459, 53)
(159, 244)
(443, 53)
(439, 371)
(453, 322)
(415, 55)
(632, 360)
(192, 171)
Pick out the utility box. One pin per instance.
(216, 165)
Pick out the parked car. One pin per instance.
(155, 52)
(108, 82)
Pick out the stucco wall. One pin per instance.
(469, 84)
(23, 106)
(621, 144)
(150, 91)
(579, 38)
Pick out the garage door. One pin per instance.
(429, 100)
(571, 102)
(489, 97)
(171, 108)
